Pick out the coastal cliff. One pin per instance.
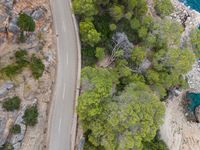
(177, 132)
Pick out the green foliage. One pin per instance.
(132, 4)
(16, 129)
(167, 32)
(26, 22)
(113, 27)
(168, 68)
(37, 67)
(12, 104)
(120, 107)
(135, 24)
(174, 60)
(136, 108)
(89, 35)
(11, 70)
(138, 55)
(88, 56)
(30, 116)
(117, 12)
(7, 146)
(21, 57)
(22, 60)
(100, 53)
(164, 7)
(14, 69)
(85, 8)
(22, 37)
(195, 42)
(99, 84)
(142, 33)
(102, 25)
(155, 144)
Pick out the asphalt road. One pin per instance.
(64, 93)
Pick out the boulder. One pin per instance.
(16, 146)
(81, 144)
(3, 18)
(13, 26)
(38, 14)
(7, 3)
(17, 139)
(3, 126)
(197, 113)
(190, 116)
(5, 88)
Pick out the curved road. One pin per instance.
(62, 108)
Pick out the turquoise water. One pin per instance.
(194, 99)
(194, 4)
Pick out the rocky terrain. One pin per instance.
(177, 131)
(30, 91)
(189, 18)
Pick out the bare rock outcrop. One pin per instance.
(197, 113)
(17, 139)
(5, 88)
(3, 132)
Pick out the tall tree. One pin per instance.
(89, 33)
(26, 23)
(86, 8)
(127, 120)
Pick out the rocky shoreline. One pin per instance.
(190, 19)
(177, 131)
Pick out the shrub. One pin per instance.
(22, 37)
(16, 129)
(30, 116)
(113, 27)
(164, 7)
(11, 70)
(12, 104)
(7, 146)
(155, 144)
(100, 53)
(21, 57)
(26, 23)
(37, 67)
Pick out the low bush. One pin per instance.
(37, 67)
(7, 146)
(16, 129)
(30, 116)
(12, 104)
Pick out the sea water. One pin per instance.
(194, 99)
(193, 4)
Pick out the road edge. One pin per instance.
(78, 80)
(52, 102)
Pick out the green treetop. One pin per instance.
(164, 7)
(89, 35)
(117, 12)
(86, 8)
(26, 23)
(127, 120)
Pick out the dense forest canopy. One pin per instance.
(121, 105)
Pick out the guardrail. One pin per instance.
(75, 117)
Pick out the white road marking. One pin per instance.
(59, 125)
(63, 96)
(64, 27)
(67, 59)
